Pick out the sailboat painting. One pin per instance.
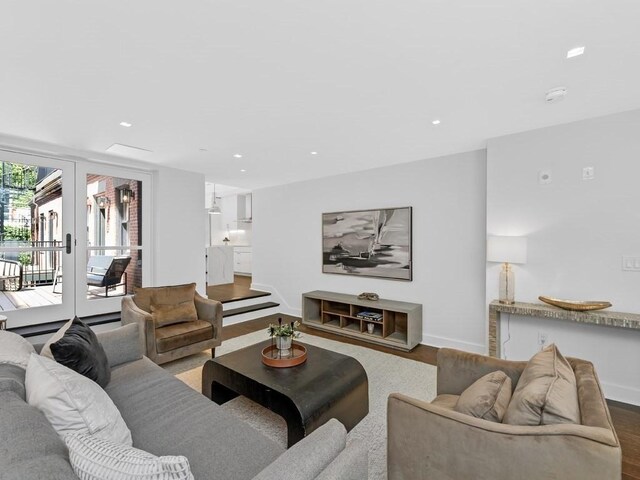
(371, 243)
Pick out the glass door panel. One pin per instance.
(113, 240)
(36, 244)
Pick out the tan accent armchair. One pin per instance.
(432, 441)
(169, 342)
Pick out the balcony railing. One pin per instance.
(38, 267)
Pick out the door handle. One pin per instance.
(68, 244)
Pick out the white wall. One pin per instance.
(448, 199)
(578, 230)
(180, 228)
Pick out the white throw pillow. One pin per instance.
(96, 459)
(14, 349)
(72, 403)
(46, 349)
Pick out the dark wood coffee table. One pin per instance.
(328, 385)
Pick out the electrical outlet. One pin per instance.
(630, 263)
(588, 173)
(542, 338)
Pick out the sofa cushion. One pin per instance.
(167, 417)
(122, 344)
(80, 350)
(166, 295)
(93, 458)
(14, 349)
(35, 450)
(182, 334)
(72, 402)
(12, 379)
(487, 398)
(164, 315)
(546, 393)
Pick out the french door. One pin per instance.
(72, 237)
(113, 210)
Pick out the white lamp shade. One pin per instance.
(507, 249)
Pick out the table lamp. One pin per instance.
(506, 250)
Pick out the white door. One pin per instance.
(113, 259)
(37, 252)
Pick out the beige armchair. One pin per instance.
(172, 329)
(432, 441)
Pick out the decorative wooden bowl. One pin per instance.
(576, 305)
(271, 357)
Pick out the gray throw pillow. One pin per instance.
(80, 350)
(487, 398)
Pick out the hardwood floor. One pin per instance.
(626, 418)
(238, 290)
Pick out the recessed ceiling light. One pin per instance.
(436, 122)
(237, 155)
(243, 170)
(126, 124)
(314, 153)
(574, 52)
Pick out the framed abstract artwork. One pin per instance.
(369, 243)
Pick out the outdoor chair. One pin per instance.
(10, 275)
(107, 271)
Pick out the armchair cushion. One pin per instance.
(487, 398)
(164, 315)
(182, 334)
(165, 295)
(546, 393)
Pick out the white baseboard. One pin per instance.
(452, 343)
(620, 393)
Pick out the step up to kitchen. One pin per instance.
(249, 308)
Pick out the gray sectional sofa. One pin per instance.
(166, 417)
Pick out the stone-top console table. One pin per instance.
(597, 317)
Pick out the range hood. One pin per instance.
(245, 210)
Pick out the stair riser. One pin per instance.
(245, 317)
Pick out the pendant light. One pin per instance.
(215, 208)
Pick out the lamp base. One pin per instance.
(507, 285)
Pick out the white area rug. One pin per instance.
(387, 373)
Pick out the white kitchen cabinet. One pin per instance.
(242, 260)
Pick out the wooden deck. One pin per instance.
(43, 296)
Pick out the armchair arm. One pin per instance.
(457, 370)
(131, 313)
(211, 311)
(428, 441)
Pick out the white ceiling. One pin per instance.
(358, 81)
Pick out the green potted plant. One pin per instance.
(284, 333)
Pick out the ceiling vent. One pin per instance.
(556, 94)
(129, 151)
